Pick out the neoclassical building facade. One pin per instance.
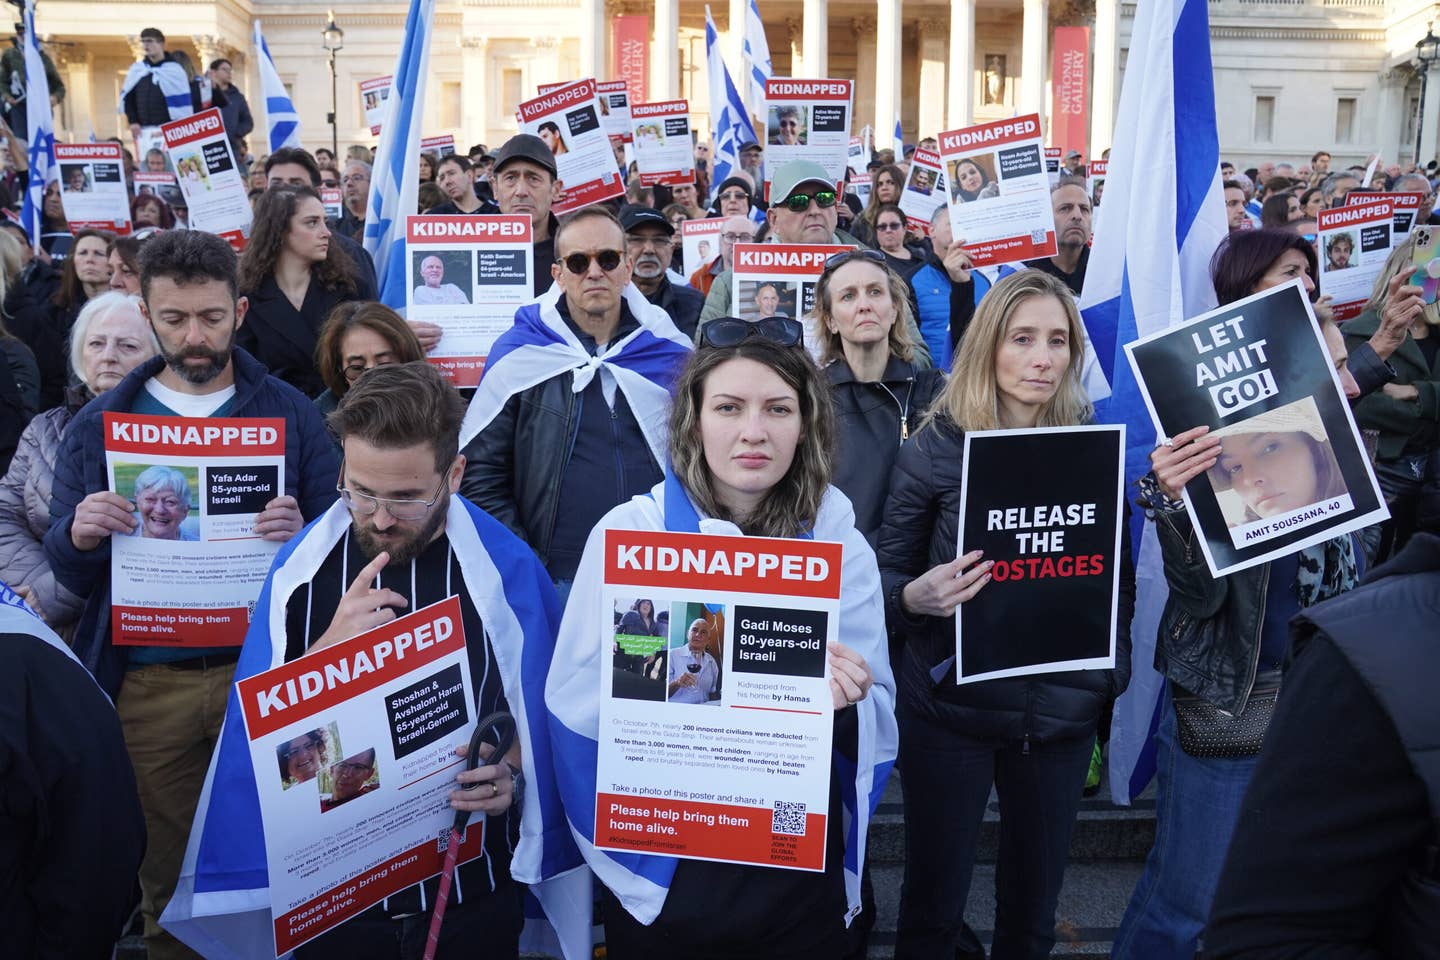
(1291, 76)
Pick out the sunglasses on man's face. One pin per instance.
(730, 331)
(800, 202)
(579, 263)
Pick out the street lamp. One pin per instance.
(333, 39)
(1427, 51)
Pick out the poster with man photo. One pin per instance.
(1291, 469)
(1354, 243)
(567, 118)
(92, 188)
(924, 190)
(1045, 506)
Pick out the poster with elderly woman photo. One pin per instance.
(1255, 380)
(195, 487)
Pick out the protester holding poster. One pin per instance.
(999, 191)
(753, 466)
(1019, 367)
(1250, 406)
(455, 616)
(885, 184)
(525, 183)
(214, 191)
(168, 695)
(294, 275)
(1354, 242)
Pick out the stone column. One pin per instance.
(932, 79)
(816, 38)
(734, 41)
(796, 31)
(76, 113)
(592, 39)
(961, 105)
(887, 70)
(475, 75)
(1102, 89)
(865, 86)
(1033, 46)
(665, 51)
(210, 49)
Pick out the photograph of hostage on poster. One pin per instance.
(700, 242)
(1054, 537)
(778, 280)
(353, 753)
(568, 120)
(197, 485)
(216, 195)
(373, 94)
(1353, 245)
(1292, 470)
(469, 275)
(716, 717)
(999, 191)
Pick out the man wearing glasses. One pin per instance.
(400, 540)
(802, 211)
(649, 242)
(171, 700)
(569, 419)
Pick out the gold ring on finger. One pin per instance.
(494, 790)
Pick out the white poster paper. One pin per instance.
(700, 242)
(1354, 244)
(999, 192)
(924, 190)
(808, 120)
(92, 186)
(664, 152)
(373, 94)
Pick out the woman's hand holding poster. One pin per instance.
(1054, 538)
(1292, 471)
(715, 705)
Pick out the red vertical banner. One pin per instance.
(1070, 90)
(631, 38)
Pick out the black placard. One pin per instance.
(581, 121)
(423, 712)
(239, 490)
(497, 267)
(217, 157)
(776, 640)
(825, 118)
(1044, 505)
(1019, 162)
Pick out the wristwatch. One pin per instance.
(517, 785)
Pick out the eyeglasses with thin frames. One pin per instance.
(365, 505)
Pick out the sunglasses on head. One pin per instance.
(800, 202)
(845, 256)
(579, 263)
(730, 331)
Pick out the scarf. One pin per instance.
(642, 881)
(221, 906)
(541, 345)
(170, 77)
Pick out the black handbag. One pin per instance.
(1207, 731)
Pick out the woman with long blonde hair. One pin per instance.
(1030, 737)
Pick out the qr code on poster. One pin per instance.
(442, 841)
(1037, 236)
(788, 818)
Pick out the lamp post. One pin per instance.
(1427, 51)
(333, 39)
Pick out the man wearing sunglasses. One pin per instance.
(802, 211)
(648, 241)
(569, 419)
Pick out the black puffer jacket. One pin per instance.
(919, 532)
(873, 418)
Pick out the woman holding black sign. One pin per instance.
(750, 440)
(1222, 641)
(1030, 736)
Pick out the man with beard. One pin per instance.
(171, 700)
(648, 241)
(1072, 234)
(400, 540)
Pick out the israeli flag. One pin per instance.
(281, 120)
(899, 141)
(730, 127)
(39, 132)
(395, 181)
(757, 58)
(1150, 269)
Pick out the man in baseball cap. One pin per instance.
(649, 242)
(524, 181)
(802, 210)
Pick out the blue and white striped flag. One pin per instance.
(39, 132)
(222, 903)
(1149, 270)
(281, 120)
(899, 141)
(730, 127)
(757, 59)
(395, 180)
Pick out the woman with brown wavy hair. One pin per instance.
(358, 336)
(294, 277)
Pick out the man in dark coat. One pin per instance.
(648, 235)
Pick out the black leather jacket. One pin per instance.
(920, 532)
(515, 466)
(872, 419)
(1209, 640)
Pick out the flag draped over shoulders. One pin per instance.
(1164, 215)
(221, 906)
(641, 881)
(172, 80)
(541, 345)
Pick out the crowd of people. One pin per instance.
(652, 406)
